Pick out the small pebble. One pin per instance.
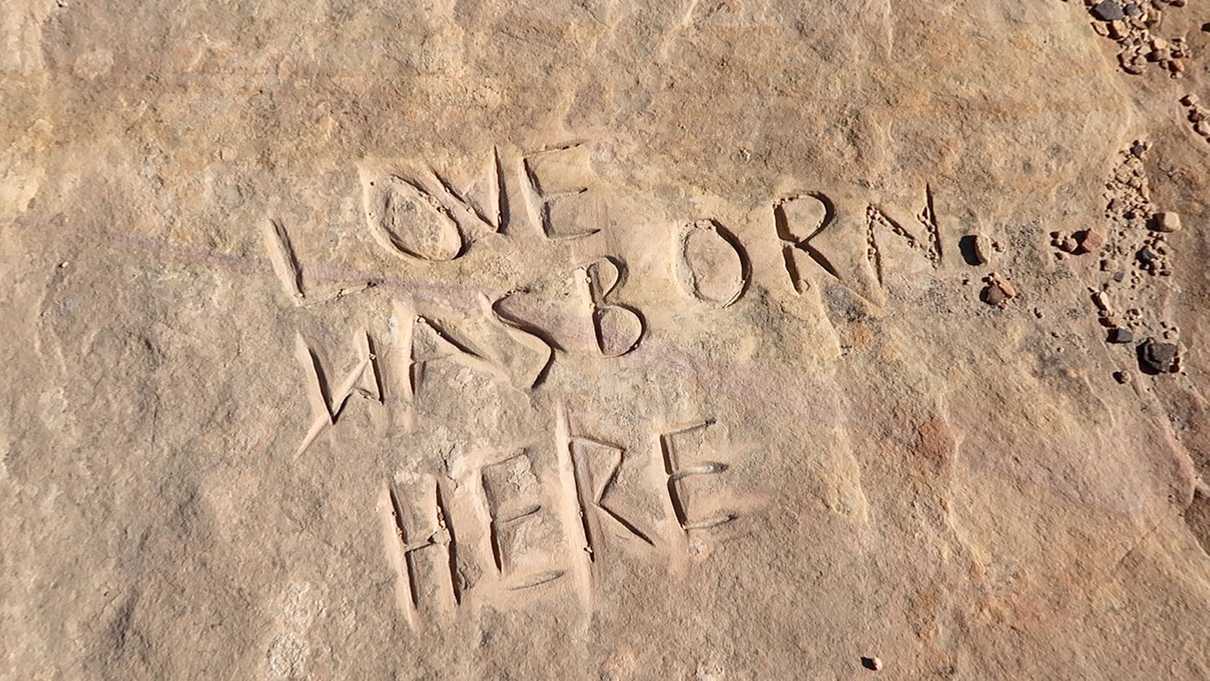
(1121, 377)
(993, 295)
(872, 663)
(983, 249)
(1121, 335)
(1157, 357)
(1166, 222)
(976, 248)
(1009, 289)
(1091, 241)
(1108, 10)
(998, 291)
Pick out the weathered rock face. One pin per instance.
(751, 339)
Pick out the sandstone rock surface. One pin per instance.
(507, 339)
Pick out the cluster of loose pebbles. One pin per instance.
(997, 290)
(978, 250)
(1139, 231)
(1134, 247)
(1198, 115)
(1158, 352)
(1131, 213)
(1129, 23)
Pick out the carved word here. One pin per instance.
(587, 470)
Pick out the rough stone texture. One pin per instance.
(1167, 222)
(711, 394)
